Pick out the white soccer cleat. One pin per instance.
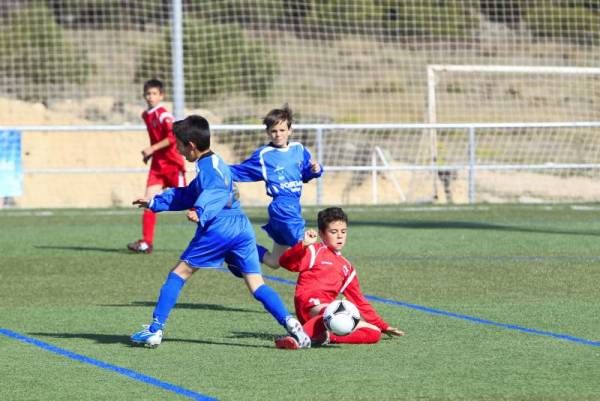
(147, 338)
(295, 329)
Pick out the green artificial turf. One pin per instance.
(498, 303)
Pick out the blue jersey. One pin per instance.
(283, 170)
(210, 193)
(224, 233)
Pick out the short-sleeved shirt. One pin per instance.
(323, 275)
(224, 233)
(284, 170)
(159, 123)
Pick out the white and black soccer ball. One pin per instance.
(341, 317)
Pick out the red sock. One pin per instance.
(363, 335)
(315, 328)
(148, 224)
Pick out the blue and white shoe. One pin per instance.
(147, 338)
(295, 329)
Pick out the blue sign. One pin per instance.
(11, 169)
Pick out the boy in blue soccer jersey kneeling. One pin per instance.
(224, 234)
(284, 166)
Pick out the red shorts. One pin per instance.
(166, 177)
(305, 302)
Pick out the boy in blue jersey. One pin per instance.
(224, 233)
(284, 166)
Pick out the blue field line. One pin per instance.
(439, 312)
(113, 368)
(477, 320)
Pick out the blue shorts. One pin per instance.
(286, 225)
(228, 239)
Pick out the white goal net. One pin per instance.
(334, 61)
(83, 63)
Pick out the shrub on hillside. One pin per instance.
(36, 58)
(426, 19)
(503, 11)
(574, 22)
(246, 13)
(218, 59)
(110, 14)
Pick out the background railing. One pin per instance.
(364, 163)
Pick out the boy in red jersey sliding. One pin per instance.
(325, 274)
(167, 169)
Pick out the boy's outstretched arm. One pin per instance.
(141, 202)
(392, 331)
(171, 199)
(250, 170)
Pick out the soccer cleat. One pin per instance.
(140, 246)
(295, 329)
(286, 342)
(147, 338)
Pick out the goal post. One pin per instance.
(570, 90)
(518, 94)
(434, 71)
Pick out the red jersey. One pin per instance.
(159, 123)
(324, 274)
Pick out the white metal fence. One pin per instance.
(364, 163)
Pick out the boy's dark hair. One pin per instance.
(329, 215)
(276, 116)
(194, 129)
(154, 83)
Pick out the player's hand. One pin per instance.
(310, 237)
(315, 167)
(147, 154)
(192, 216)
(392, 331)
(141, 202)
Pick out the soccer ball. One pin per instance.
(341, 317)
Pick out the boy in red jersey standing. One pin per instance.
(167, 169)
(325, 274)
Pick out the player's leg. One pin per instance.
(271, 258)
(154, 185)
(273, 303)
(365, 333)
(310, 314)
(285, 232)
(151, 335)
(149, 217)
(315, 328)
(243, 255)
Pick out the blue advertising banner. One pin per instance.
(11, 169)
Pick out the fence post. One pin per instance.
(319, 141)
(374, 189)
(177, 61)
(472, 162)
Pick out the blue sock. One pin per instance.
(261, 252)
(272, 303)
(166, 300)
